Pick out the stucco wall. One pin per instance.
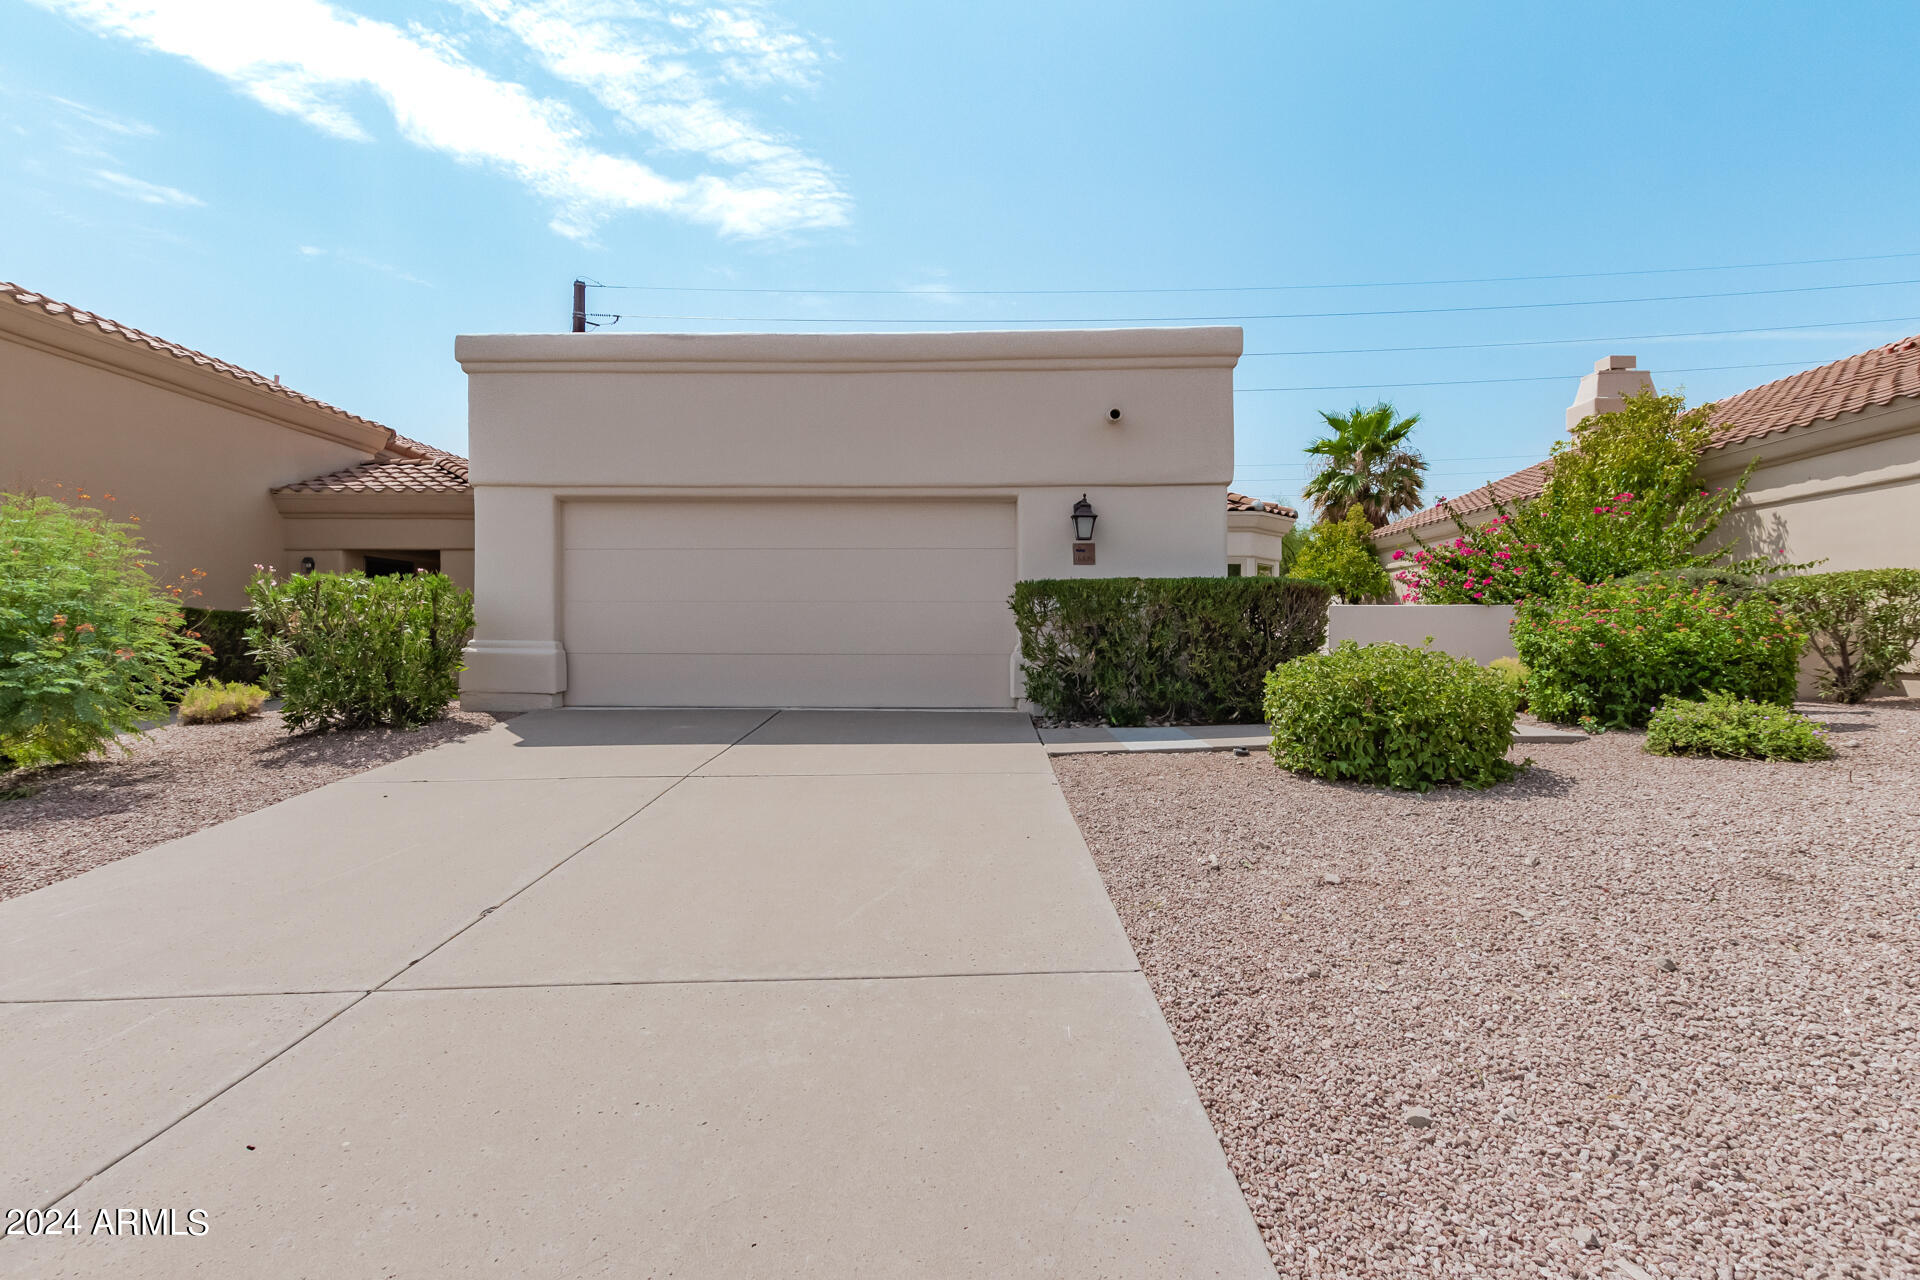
(196, 473)
(1479, 632)
(1025, 416)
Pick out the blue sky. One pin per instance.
(330, 192)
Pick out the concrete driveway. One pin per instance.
(723, 993)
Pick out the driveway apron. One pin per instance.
(598, 993)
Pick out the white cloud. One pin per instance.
(310, 59)
(752, 51)
(612, 49)
(145, 192)
(105, 121)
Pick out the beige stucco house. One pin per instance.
(821, 519)
(1838, 449)
(223, 468)
(1255, 531)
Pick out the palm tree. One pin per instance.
(1367, 465)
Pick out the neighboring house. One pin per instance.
(222, 468)
(821, 519)
(1838, 447)
(1254, 533)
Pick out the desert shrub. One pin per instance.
(1514, 672)
(351, 652)
(1734, 729)
(1484, 564)
(1864, 625)
(1394, 715)
(224, 633)
(210, 701)
(1338, 554)
(90, 647)
(1606, 655)
(1138, 650)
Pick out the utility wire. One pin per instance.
(1250, 288)
(1296, 315)
(1568, 342)
(1481, 382)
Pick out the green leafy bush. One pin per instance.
(351, 652)
(1864, 623)
(224, 633)
(1734, 729)
(210, 701)
(1606, 655)
(1514, 672)
(1393, 715)
(89, 646)
(1339, 555)
(1137, 650)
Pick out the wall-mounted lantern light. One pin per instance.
(1083, 518)
(306, 564)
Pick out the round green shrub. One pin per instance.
(1607, 654)
(1734, 729)
(1393, 715)
(90, 647)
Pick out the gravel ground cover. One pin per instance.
(1624, 1017)
(178, 779)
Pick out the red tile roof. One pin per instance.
(25, 297)
(1863, 381)
(408, 466)
(1241, 502)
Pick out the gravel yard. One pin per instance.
(1627, 1016)
(179, 779)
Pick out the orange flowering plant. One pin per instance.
(89, 646)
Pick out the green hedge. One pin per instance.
(225, 632)
(1393, 715)
(1130, 651)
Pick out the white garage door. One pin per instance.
(788, 603)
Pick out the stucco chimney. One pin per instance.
(1606, 388)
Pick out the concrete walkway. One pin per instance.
(607, 993)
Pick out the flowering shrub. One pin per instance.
(1485, 564)
(1393, 715)
(1865, 625)
(1619, 499)
(89, 646)
(1734, 729)
(1608, 654)
(347, 651)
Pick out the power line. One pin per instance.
(1480, 382)
(1569, 342)
(1296, 315)
(931, 292)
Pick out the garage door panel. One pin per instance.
(767, 525)
(846, 576)
(789, 680)
(762, 627)
(788, 603)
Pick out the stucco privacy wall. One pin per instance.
(194, 470)
(843, 419)
(1479, 632)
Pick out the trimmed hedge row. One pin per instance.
(1130, 651)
